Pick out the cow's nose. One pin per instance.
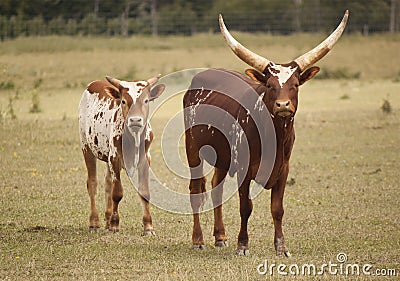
(283, 104)
(135, 121)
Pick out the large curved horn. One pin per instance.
(323, 48)
(252, 59)
(115, 82)
(153, 80)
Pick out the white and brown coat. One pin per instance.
(114, 128)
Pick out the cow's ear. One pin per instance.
(112, 92)
(308, 74)
(256, 75)
(157, 91)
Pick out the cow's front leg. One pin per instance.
(277, 211)
(116, 196)
(197, 188)
(108, 198)
(246, 208)
(143, 176)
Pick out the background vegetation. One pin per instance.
(127, 17)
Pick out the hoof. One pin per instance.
(93, 229)
(286, 253)
(243, 252)
(113, 230)
(281, 248)
(148, 233)
(198, 247)
(221, 244)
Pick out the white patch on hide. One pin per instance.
(96, 124)
(191, 118)
(135, 89)
(283, 73)
(259, 104)
(148, 131)
(97, 127)
(136, 137)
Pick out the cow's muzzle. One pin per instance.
(283, 108)
(135, 123)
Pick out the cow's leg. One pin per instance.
(197, 187)
(90, 161)
(246, 207)
(116, 195)
(277, 212)
(216, 195)
(108, 184)
(143, 175)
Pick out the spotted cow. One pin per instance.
(114, 114)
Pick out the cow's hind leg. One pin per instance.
(143, 174)
(90, 161)
(216, 195)
(246, 208)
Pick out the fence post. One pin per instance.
(392, 25)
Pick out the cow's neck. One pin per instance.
(284, 131)
(133, 146)
(283, 127)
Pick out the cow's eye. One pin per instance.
(146, 101)
(123, 101)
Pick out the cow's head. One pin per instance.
(134, 98)
(282, 81)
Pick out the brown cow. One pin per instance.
(113, 114)
(275, 86)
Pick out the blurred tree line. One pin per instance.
(127, 17)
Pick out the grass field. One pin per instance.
(343, 195)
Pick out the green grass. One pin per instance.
(344, 168)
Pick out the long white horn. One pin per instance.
(249, 57)
(323, 48)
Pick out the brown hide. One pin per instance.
(239, 98)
